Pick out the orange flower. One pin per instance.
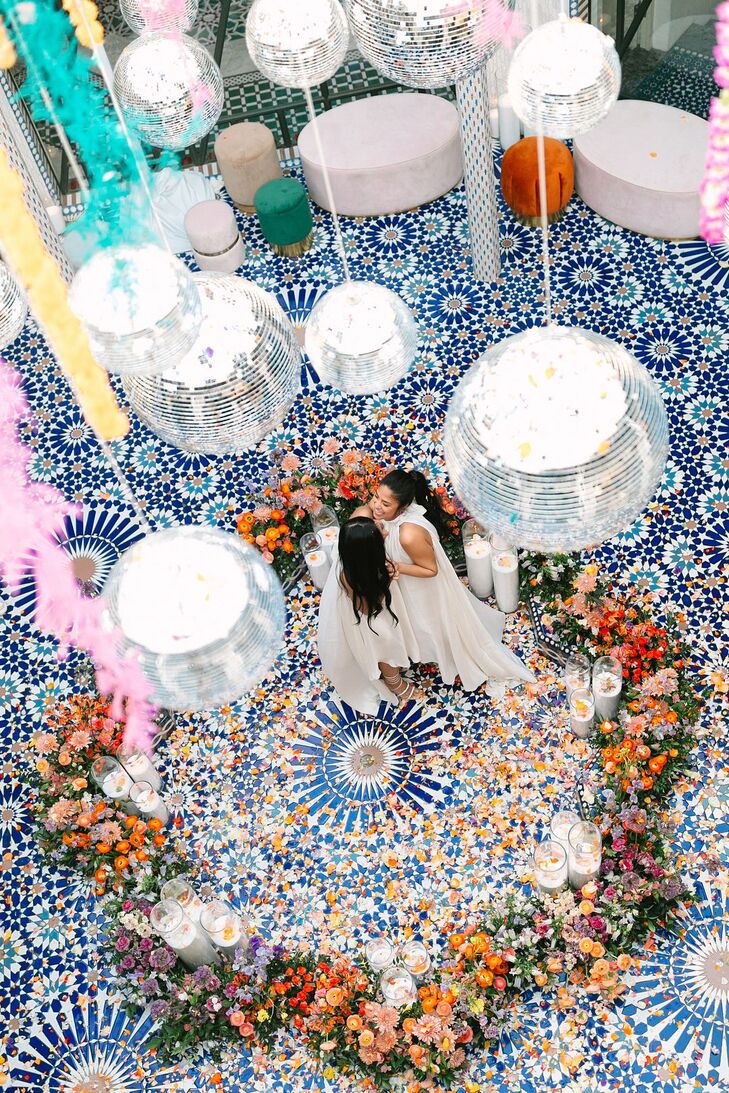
(657, 763)
(103, 848)
(354, 1022)
(154, 824)
(456, 940)
(121, 863)
(484, 977)
(122, 847)
(159, 839)
(407, 1026)
(136, 839)
(334, 996)
(100, 876)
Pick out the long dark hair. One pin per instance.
(365, 567)
(409, 486)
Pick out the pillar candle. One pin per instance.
(478, 566)
(509, 125)
(318, 563)
(505, 568)
(149, 802)
(223, 927)
(379, 953)
(550, 866)
(607, 685)
(582, 713)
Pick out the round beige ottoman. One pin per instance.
(385, 154)
(247, 158)
(641, 167)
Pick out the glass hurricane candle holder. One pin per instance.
(149, 802)
(477, 549)
(550, 866)
(223, 926)
(607, 685)
(415, 957)
(505, 570)
(316, 558)
(379, 953)
(560, 827)
(582, 713)
(577, 673)
(139, 766)
(398, 987)
(170, 922)
(326, 527)
(585, 854)
(111, 778)
(183, 893)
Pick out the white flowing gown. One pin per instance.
(349, 651)
(452, 628)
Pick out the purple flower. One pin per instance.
(160, 1008)
(620, 843)
(146, 944)
(213, 983)
(597, 922)
(122, 943)
(162, 959)
(128, 905)
(200, 975)
(229, 990)
(610, 892)
(128, 962)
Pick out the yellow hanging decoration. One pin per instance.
(8, 56)
(84, 17)
(25, 252)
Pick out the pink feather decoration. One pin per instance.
(31, 514)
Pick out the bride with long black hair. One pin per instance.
(365, 636)
(452, 628)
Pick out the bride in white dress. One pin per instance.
(452, 628)
(365, 636)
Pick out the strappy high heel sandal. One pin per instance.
(403, 690)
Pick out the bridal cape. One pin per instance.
(453, 629)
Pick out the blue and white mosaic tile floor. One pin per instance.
(269, 794)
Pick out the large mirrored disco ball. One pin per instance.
(13, 307)
(202, 612)
(556, 438)
(429, 43)
(170, 89)
(140, 307)
(150, 16)
(238, 380)
(361, 337)
(564, 77)
(297, 43)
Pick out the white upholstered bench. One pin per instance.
(641, 167)
(385, 154)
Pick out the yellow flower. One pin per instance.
(329, 1073)
(476, 1005)
(262, 1015)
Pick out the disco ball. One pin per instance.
(200, 610)
(170, 90)
(428, 43)
(556, 438)
(13, 307)
(150, 16)
(564, 77)
(140, 307)
(361, 338)
(297, 43)
(238, 380)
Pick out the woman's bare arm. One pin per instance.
(416, 542)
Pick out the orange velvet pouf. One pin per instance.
(520, 179)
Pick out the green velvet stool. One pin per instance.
(283, 211)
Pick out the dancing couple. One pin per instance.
(393, 598)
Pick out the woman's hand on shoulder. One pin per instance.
(393, 569)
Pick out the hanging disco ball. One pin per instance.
(429, 43)
(140, 307)
(556, 439)
(170, 89)
(361, 337)
(238, 380)
(151, 16)
(564, 77)
(13, 307)
(297, 43)
(201, 611)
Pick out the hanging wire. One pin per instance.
(327, 181)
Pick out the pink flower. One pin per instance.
(331, 445)
(351, 459)
(262, 513)
(384, 1018)
(428, 1028)
(385, 1041)
(44, 742)
(78, 740)
(290, 463)
(586, 582)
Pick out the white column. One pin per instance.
(478, 175)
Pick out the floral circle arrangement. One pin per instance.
(577, 942)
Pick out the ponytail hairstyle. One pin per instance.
(365, 568)
(409, 486)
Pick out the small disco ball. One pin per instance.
(151, 16)
(237, 382)
(201, 611)
(564, 77)
(140, 307)
(297, 43)
(13, 307)
(361, 337)
(170, 89)
(428, 43)
(556, 439)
